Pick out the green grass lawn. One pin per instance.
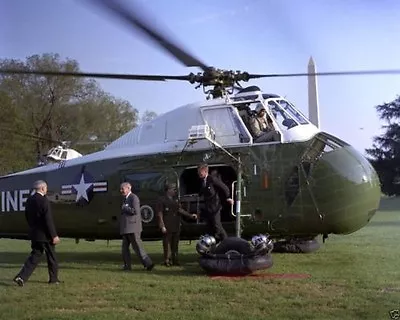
(350, 277)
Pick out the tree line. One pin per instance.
(384, 154)
(37, 111)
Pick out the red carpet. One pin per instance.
(264, 276)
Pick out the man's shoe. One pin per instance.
(55, 282)
(19, 281)
(150, 267)
(126, 268)
(167, 263)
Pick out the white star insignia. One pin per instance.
(81, 189)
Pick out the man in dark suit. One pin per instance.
(211, 188)
(42, 233)
(131, 229)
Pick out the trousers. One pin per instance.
(267, 137)
(171, 245)
(137, 246)
(214, 225)
(38, 247)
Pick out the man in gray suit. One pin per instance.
(131, 228)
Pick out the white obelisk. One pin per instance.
(313, 105)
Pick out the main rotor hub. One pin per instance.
(220, 79)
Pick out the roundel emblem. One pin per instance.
(147, 213)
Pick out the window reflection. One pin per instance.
(296, 115)
(220, 121)
(282, 117)
(285, 114)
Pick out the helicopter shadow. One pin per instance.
(106, 261)
(4, 282)
(389, 204)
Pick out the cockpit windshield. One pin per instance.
(301, 119)
(285, 114)
(269, 117)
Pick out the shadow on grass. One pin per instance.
(4, 282)
(105, 261)
(389, 204)
(103, 257)
(384, 223)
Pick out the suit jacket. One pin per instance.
(170, 213)
(213, 190)
(39, 218)
(131, 219)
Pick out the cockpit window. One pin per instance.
(296, 115)
(220, 121)
(282, 118)
(285, 114)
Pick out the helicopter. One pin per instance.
(305, 184)
(61, 152)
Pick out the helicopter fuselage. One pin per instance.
(292, 189)
(291, 196)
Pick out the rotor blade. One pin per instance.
(96, 75)
(137, 20)
(91, 142)
(333, 73)
(32, 136)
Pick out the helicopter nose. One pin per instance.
(346, 187)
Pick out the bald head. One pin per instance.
(202, 170)
(40, 186)
(125, 188)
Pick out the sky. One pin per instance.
(258, 36)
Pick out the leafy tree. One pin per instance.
(385, 152)
(55, 108)
(148, 116)
(15, 150)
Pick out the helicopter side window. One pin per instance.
(221, 121)
(257, 121)
(64, 155)
(244, 136)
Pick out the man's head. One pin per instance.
(260, 110)
(170, 189)
(202, 170)
(125, 188)
(40, 186)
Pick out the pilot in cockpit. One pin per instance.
(262, 127)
